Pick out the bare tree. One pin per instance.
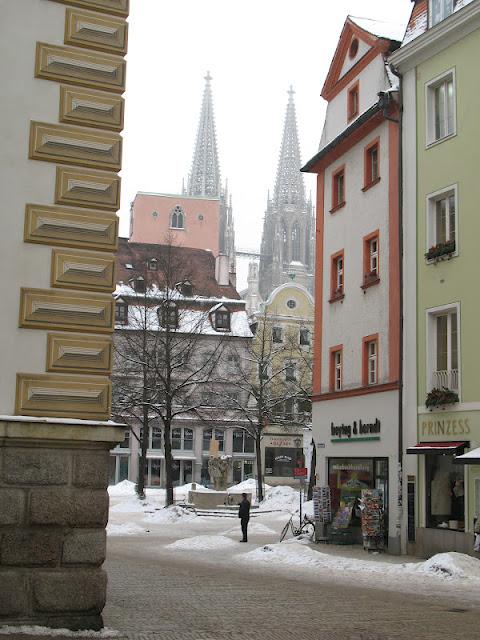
(163, 353)
(271, 383)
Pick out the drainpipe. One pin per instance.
(400, 346)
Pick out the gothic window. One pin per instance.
(296, 243)
(178, 218)
(284, 242)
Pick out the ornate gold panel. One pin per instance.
(117, 7)
(91, 108)
(69, 310)
(75, 145)
(72, 353)
(86, 29)
(78, 187)
(71, 227)
(56, 395)
(83, 270)
(64, 64)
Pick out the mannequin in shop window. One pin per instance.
(441, 493)
(458, 500)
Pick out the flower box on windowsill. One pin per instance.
(338, 294)
(441, 397)
(369, 279)
(441, 251)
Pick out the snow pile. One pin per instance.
(170, 515)
(123, 488)
(451, 565)
(307, 508)
(281, 499)
(37, 631)
(201, 543)
(124, 529)
(132, 505)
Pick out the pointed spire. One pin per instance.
(289, 185)
(204, 179)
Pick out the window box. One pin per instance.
(370, 279)
(441, 251)
(337, 294)
(440, 397)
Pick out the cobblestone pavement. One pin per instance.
(161, 596)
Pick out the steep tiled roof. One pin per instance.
(195, 265)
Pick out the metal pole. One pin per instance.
(301, 491)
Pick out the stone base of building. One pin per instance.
(53, 514)
(428, 542)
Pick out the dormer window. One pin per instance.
(139, 284)
(440, 9)
(153, 264)
(177, 220)
(121, 312)
(168, 315)
(222, 319)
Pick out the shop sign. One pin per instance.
(438, 426)
(287, 442)
(358, 431)
(283, 459)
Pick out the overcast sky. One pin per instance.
(254, 50)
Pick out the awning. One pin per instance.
(438, 448)
(471, 457)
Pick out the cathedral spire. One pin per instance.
(289, 185)
(204, 179)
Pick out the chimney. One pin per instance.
(221, 270)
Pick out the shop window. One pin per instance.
(442, 354)
(242, 470)
(371, 169)
(119, 468)
(445, 492)
(338, 189)
(281, 461)
(154, 473)
(353, 101)
(121, 313)
(337, 290)
(219, 436)
(348, 476)
(442, 225)
(304, 337)
(243, 442)
(441, 117)
(177, 221)
(277, 334)
(336, 368)
(370, 360)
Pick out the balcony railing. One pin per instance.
(447, 378)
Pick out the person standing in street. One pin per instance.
(244, 515)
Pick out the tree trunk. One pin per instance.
(313, 469)
(168, 465)
(258, 451)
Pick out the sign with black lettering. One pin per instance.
(358, 430)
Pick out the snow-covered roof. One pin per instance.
(380, 28)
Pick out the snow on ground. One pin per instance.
(170, 515)
(201, 543)
(124, 529)
(37, 631)
(123, 488)
(253, 528)
(281, 499)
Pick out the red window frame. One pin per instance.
(337, 203)
(369, 277)
(366, 341)
(353, 101)
(333, 351)
(369, 179)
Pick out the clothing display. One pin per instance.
(441, 501)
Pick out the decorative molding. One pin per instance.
(90, 30)
(55, 395)
(71, 227)
(91, 108)
(83, 270)
(75, 145)
(87, 188)
(116, 7)
(72, 310)
(64, 64)
(79, 354)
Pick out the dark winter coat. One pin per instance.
(244, 509)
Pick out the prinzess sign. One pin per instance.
(355, 431)
(446, 426)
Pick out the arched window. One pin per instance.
(284, 242)
(296, 242)
(178, 218)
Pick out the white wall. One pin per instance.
(24, 98)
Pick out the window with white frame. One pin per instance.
(440, 98)
(182, 438)
(372, 369)
(441, 224)
(440, 9)
(373, 255)
(443, 349)
(336, 370)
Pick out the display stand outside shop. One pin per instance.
(322, 511)
(373, 521)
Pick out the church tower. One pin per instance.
(287, 249)
(204, 178)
